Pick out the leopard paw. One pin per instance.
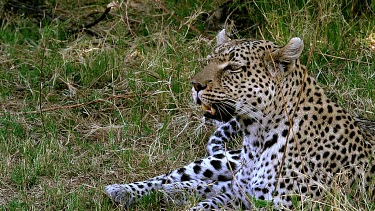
(122, 194)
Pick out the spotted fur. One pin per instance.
(295, 139)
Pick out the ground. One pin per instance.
(81, 110)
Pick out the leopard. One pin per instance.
(295, 140)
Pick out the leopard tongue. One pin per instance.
(208, 109)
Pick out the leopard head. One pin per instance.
(242, 76)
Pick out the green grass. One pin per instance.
(141, 122)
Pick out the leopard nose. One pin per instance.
(198, 86)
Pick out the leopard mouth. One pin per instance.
(220, 112)
(208, 109)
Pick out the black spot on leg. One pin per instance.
(207, 190)
(207, 173)
(282, 185)
(234, 152)
(181, 170)
(248, 122)
(265, 190)
(185, 177)
(231, 165)
(198, 162)
(282, 149)
(219, 156)
(223, 178)
(140, 186)
(215, 141)
(285, 133)
(216, 164)
(237, 157)
(218, 134)
(216, 148)
(223, 189)
(206, 206)
(197, 169)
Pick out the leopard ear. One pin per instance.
(222, 37)
(277, 61)
(289, 53)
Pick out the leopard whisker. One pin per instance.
(248, 110)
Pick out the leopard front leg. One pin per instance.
(127, 194)
(223, 134)
(201, 173)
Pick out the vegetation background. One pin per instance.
(83, 108)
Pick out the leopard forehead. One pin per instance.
(241, 49)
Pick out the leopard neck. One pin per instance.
(289, 92)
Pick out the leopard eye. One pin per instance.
(233, 68)
(236, 70)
